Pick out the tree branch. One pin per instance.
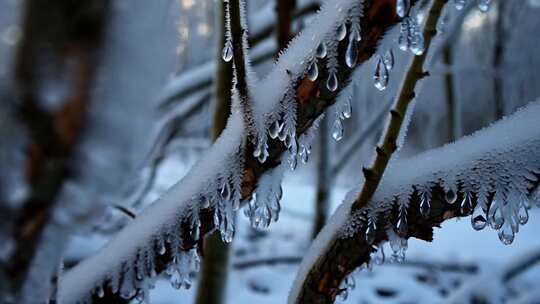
(346, 244)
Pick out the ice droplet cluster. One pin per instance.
(483, 5)
(491, 176)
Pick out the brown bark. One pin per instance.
(60, 47)
(285, 10)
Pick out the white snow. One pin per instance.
(153, 221)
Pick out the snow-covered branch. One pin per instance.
(285, 106)
(493, 175)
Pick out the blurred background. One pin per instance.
(150, 114)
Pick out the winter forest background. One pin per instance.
(115, 188)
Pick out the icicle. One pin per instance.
(205, 202)
(304, 154)
(450, 196)
(195, 226)
(466, 203)
(484, 5)
(226, 191)
(355, 33)
(293, 153)
(370, 231)
(332, 82)
(425, 204)
(403, 40)
(100, 292)
(402, 7)
(313, 71)
(274, 130)
(341, 32)
(398, 246)
(321, 51)
(401, 225)
(495, 215)
(378, 256)
(416, 38)
(337, 130)
(346, 111)
(478, 218)
(261, 151)
(389, 59)
(523, 214)
(161, 246)
(506, 234)
(351, 54)
(227, 53)
(460, 4)
(381, 75)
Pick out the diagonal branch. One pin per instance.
(468, 171)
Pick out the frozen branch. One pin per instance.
(430, 185)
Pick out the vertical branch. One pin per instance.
(213, 277)
(405, 95)
(54, 72)
(498, 57)
(453, 115)
(285, 10)
(320, 284)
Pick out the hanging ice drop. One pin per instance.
(460, 4)
(389, 59)
(381, 75)
(346, 112)
(274, 130)
(402, 7)
(351, 54)
(313, 71)
(506, 234)
(450, 196)
(321, 51)
(227, 53)
(523, 214)
(478, 219)
(337, 130)
(341, 32)
(332, 82)
(483, 5)
(425, 205)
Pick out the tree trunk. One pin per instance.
(285, 12)
(498, 57)
(213, 277)
(54, 74)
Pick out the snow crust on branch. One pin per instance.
(158, 222)
(502, 160)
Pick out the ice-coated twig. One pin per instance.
(476, 166)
